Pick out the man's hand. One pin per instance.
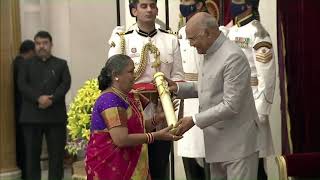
(44, 101)
(183, 125)
(173, 87)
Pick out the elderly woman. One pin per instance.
(117, 149)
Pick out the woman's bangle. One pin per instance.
(150, 138)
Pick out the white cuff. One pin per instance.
(177, 89)
(194, 119)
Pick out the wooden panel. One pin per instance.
(10, 40)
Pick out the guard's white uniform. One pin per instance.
(255, 42)
(192, 143)
(167, 45)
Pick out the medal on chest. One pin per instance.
(242, 42)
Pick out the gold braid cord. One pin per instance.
(122, 43)
(149, 47)
(144, 54)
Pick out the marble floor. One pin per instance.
(179, 170)
(67, 174)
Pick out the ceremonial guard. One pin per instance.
(152, 50)
(255, 42)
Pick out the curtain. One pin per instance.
(300, 64)
(285, 117)
(9, 43)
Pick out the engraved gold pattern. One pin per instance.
(149, 47)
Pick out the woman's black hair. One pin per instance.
(114, 66)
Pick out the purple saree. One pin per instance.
(104, 160)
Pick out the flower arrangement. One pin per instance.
(79, 116)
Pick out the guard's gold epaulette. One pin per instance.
(129, 32)
(124, 33)
(168, 31)
(260, 30)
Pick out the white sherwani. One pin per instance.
(192, 143)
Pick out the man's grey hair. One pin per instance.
(209, 22)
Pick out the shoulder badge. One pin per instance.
(112, 44)
(129, 32)
(264, 53)
(123, 41)
(168, 31)
(164, 31)
(124, 33)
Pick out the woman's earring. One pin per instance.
(117, 79)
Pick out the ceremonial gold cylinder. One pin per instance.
(164, 94)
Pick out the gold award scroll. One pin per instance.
(164, 94)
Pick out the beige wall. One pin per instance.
(268, 12)
(80, 31)
(91, 23)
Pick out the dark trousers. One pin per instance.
(261, 173)
(20, 151)
(159, 160)
(20, 159)
(56, 139)
(192, 169)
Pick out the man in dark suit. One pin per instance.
(43, 82)
(26, 51)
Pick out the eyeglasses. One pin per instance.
(194, 38)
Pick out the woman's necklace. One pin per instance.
(122, 95)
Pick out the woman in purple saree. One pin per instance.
(117, 149)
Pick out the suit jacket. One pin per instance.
(227, 112)
(17, 95)
(36, 78)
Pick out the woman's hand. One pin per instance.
(166, 134)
